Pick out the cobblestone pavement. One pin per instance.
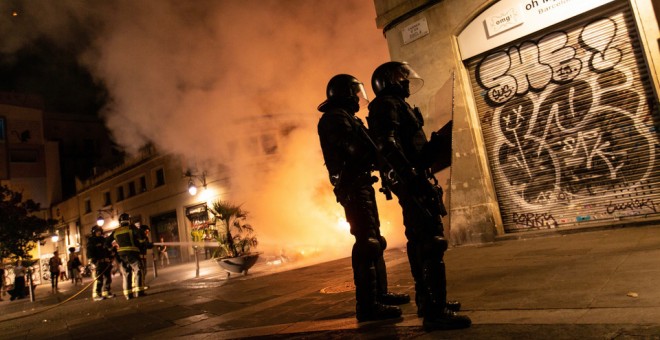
(600, 284)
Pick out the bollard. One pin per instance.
(29, 272)
(155, 266)
(196, 261)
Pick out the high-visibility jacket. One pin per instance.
(127, 239)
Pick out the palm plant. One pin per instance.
(235, 238)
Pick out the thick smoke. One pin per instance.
(192, 76)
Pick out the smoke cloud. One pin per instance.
(197, 78)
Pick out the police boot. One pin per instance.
(393, 299)
(420, 299)
(445, 319)
(377, 311)
(364, 275)
(454, 306)
(383, 295)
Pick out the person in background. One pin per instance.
(144, 244)
(126, 241)
(102, 260)
(63, 275)
(74, 265)
(54, 264)
(19, 281)
(162, 252)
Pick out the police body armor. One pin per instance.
(348, 157)
(399, 135)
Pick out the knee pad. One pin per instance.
(367, 248)
(437, 245)
(383, 243)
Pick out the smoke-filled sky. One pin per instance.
(185, 75)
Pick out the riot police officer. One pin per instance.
(127, 241)
(102, 260)
(405, 165)
(349, 157)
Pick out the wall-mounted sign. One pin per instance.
(415, 31)
(196, 209)
(508, 20)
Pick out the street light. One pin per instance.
(100, 220)
(192, 188)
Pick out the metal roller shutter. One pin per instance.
(570, 123)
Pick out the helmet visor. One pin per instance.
(405, 72)
(361, 94)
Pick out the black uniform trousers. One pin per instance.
(423, 228)
(369, 271)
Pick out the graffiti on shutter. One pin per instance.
(570, 124)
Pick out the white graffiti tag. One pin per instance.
(528, 66)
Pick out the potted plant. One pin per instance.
(235, 238)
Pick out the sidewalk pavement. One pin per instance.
(587, 285)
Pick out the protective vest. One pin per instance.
(96, 249)
(127, 239)
(346, 154)
(390, 115)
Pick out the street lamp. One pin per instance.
(100, 220)
(192, 188)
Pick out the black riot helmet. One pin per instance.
(124, 219)
(95, 229)
(396, 76)
(346, 91)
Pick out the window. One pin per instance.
(88, 206)
(106, 198)
(160, 178)
(120, 193)
(143, 184)
(131, 189)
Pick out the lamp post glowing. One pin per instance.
(192, 189)
(100, 220)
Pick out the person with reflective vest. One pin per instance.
(127, 241)
(102, 260)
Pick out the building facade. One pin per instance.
(554, 103)
(154, 189)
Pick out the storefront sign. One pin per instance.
(509, 20)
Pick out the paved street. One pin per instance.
(591, 284)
